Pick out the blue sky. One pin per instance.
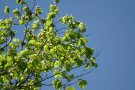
(111, 24)
(111, 27)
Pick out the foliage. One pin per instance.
(44, 52)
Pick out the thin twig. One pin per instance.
(7, 44)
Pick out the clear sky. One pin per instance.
(111, 27)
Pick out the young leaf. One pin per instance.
(93, 63)
(38, 10)
(20, 2)
(7, 9)
(17, 13)
(57, 1)
(82, 83)
(57, 83)
(70, 88)
(57, 64)
(49, 23)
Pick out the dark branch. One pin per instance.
(7, 44)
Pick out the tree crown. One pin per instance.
(45, 51)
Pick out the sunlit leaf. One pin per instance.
(70, 88)
(57, 83)
(82, 83)
(7, 9)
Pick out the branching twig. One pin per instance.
(33, 5)
(61, 29)
(68, 83)
(7, 44)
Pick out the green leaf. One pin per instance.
(15, 74)
(57, 74)
(82, 27)
(52, 7)
(6, 21)
(17, 13)
(82, 83)
(51, 15)
(67, 66)
(20, 2)
(57, 1)
(25, 9)
(35, 26)
(12, 33)
(2, 50)
(57, 64)
(51, 29)
(68, 19)
(22, 20)
(22, 65)
(72, 25)
(29, 65)
(42, 21)
(87, 66)
(69, 77)
(22, 78)
(88, 51)
(2, 40)
(10, 63)
(93, 63)
(38, 10)
(57, 83)
(6, 79)
(70, 88)
(7, 9)
(32, 42)
(49, 23)
(16, 40)
(84, 39)
(12, 45)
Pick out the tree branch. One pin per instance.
(7, 44)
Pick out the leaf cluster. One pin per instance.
(45, 51)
